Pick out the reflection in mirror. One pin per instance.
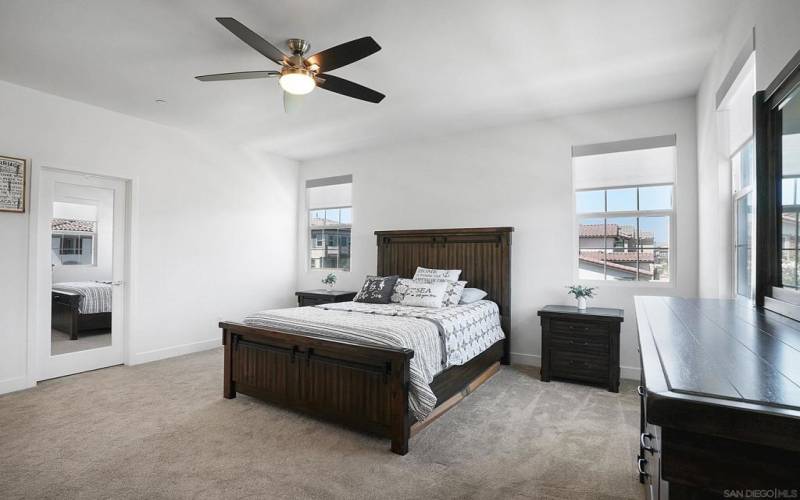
(81, 236)
(790, 198)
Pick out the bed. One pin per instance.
(372, 387)
(81, 307)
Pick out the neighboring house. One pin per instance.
(73, 241)
(330, 248)
(612, 249)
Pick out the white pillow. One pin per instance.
(400, 289)
(471, 295)
(424, 294)
(437, 274)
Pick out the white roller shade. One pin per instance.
(322, 194)
(624, 168)
(738, 103)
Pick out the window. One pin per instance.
(330, 221)
(624, 210)
(735, 106)
(628, 238)
(742, 174)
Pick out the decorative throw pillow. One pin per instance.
(437, 274)
(376, 290)
(400, 289)
(452, 296)
(471, 295)
(425, 294)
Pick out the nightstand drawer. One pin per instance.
(311, 301)
(577, 326)
(316, 297)
(578, 366)
(587, 343)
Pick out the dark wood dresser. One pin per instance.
(720, 400)
(581, 345)
(315, 297)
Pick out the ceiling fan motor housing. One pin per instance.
(298, 46)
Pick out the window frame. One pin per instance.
(736, 196)
(310, 239)
(671, 213)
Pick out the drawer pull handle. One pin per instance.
(640, 390)
(572, 342)
(641, 464)
(644, 440)
(584, 328)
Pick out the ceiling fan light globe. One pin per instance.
(297, 82)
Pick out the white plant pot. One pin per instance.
(581, 303)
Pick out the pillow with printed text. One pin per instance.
(425, 294)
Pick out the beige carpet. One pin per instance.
(162, 430)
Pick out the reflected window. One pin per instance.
(73, 242)
(790, 198)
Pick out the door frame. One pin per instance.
(34, 255)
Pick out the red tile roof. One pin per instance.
(612, 230)
(612, 260)
(644, 256)
(73, 225)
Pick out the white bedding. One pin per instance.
(440, 337)
(95, 295)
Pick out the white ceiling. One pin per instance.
(445, 66)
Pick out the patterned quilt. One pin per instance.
(95, 295)
(439, 337)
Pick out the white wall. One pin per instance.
(73, 201)
(214, 227)
(777, 39)
(511, 176)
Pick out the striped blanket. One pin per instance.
(95, 295)
(439, 337)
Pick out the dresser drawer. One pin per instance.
(578, 326)
(580, 342)
(578, 365)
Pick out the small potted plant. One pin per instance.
(582, 293)
(329, 281)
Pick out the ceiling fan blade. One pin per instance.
(292, 102)
(348, 88)
(240, 75)
(344, 54)
(253, 39)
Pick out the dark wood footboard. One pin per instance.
(65, 315)
(363, 387)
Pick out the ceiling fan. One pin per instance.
(298, 74)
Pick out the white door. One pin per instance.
(80, 252)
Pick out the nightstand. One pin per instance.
(581, 345)
(315, 297)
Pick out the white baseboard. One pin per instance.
(518, 358)
(172, 351)
(630, 373)
(14, 384)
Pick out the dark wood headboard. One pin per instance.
(483, 255)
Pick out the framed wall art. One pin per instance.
(13, 174)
